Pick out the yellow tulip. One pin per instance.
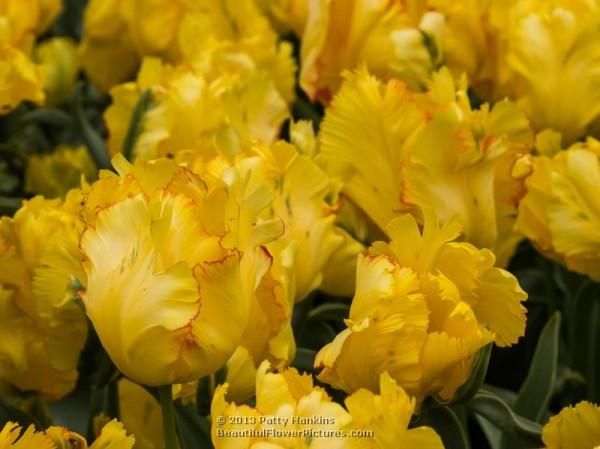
(554, 52)
(149, 291)
(20, 79)
(112, 436)
(53, 174)
(338, 262)
(10, 437)
(354, 228)
(220, 34)
(387, 415)
(307, 417)
(460, 166)
(387, 36)
(304, 199)
(141, 415)
(192, 112)
(542, 54)
(286, 395)
(560, 213)
(43, 330)
(424, 305)
(473, 42)
(106, 39)
(58, 60)
(398, 151)
(21, 22)
(365, 137)
(574, 427)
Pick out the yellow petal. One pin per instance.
(573, 427)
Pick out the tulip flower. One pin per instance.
(171, 268)
(42, 329)
(203, 34)
(194, 111)
(20, 78)
(393, 39)
(58, 60)
(543, 55)
(397, 151)
(111, 436)
(305, 200)
(560, 211)
(576, 427)
(424, 306)
(54, 174)
(141, 415)
(288, 402)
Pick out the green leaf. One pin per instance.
(93, 141)
(447, 424)
(330, 311)
(535, 393)
(206, 390)
(472, 386)
(203, 396)
(507, 396)
(48, 116)
(193, 429)
(305, 359)
(8, 412)
(491, 407)
(492, 433)
(593, 374)
(136, 122)
(581, 327)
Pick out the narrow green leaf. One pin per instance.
(535, 393)
(490, 406)
(48, 116)
(203, 396)
(8, 412)
(593, 373)
(330, 311)
(492, 433)
(448, 425)
(507, 396)
(581, 327)
(136, 123)
(206, 390)
(113, 405)
(92, 139)
(193, 429)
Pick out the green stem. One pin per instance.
(112, 398)
(92, 139)
(168, 414)
(135, 124)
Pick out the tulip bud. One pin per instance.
(58, 61)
